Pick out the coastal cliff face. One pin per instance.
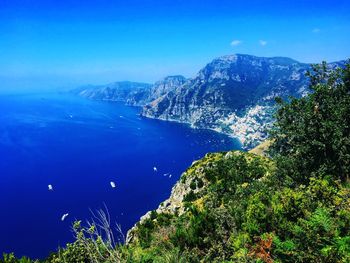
(233, 94)
(196, 181)
(192, 182)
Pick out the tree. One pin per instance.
(311, 135)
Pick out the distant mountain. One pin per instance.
(232, 94)
(132, 93)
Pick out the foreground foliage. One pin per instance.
(312, 135)
(242, 207)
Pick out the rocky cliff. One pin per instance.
(233, 94)
(195, 182)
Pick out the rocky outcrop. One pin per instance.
(174, 204)
(193, 182)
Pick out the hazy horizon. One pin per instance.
(51, 46)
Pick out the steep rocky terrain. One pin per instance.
(233, 94)
(166, 85)
(194, 182)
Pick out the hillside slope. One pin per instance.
(228, 207)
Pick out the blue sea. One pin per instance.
(79, 146)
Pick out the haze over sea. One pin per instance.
(80, 146)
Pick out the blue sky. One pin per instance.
(60, 44)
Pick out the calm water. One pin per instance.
(79, 146)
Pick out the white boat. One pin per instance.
(64, 217)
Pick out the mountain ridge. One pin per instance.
(232, 94)
(227, 95)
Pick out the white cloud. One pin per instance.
(316, 30)
(236, 42)
(263, 42)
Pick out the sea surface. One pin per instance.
(79, 146)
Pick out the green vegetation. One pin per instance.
(293, 206)
(313, 133)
